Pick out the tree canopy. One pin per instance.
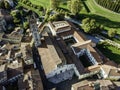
(90, 26)
(112, 32)
(74, 6)
(54, 3)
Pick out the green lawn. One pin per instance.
(103, 16)
(111, 52)
(30, 8)
(96, 9)
(45, 3)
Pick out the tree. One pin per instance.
(54, 3)
(90, 25)
(69, 5)
(112, 32)
(26, 25)
(57, 17)
(7, 5)
(74, 6)
(16, 16)
(2, 5)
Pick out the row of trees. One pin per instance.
(55, 17)
(28, 3)
(74, 6)
(92, 27)
(113, 5)
(16, 16)
(54, 4)
(112, 32)
(20, 18)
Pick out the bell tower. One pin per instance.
(34, 30)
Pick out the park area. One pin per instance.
(45, 3)
(111, 52)
(103, 16)
(92, 10)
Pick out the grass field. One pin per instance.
(102, 15)
(96, 9)
(45, 3)
(111, 52)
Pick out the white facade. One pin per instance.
(87, 52)
(63, 73)
(52, 30)
(103, 74)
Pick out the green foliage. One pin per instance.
(112, 32)
(90, 26)
(56, 17)
(7, 5)
(2, 5)
(16, 21)
(69, 5)
(54, 4)
(16, 16)
(26, 25)
(27, 4)
(110, 51)
(74, 6)
(24, 1)
(40, 8)
(47, 15)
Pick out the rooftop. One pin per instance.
(92, 84)
(26, 52)
(31, 80)
(52, 59)
(14, 69)
(60, 24)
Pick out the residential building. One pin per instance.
(3, 73)
(30, 81)
(93, 85)
(110, 72)
(14, 37)
(14, 71)
(9, 52)
(27, 53)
